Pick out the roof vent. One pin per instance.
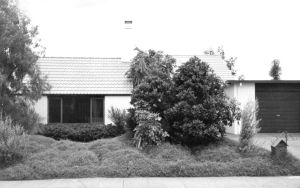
(128, 24)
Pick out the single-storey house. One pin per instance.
(84, 89)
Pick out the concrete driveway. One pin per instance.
(265, 140)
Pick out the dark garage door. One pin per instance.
(279, 105)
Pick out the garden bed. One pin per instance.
(116, 157)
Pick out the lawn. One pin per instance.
(116, 157)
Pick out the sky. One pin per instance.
(254, 31)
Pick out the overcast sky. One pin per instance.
(255, 31)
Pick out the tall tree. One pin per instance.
(21, 83)
(275, 71)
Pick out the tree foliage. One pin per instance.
(148, 64)
(20, 78)
(201, 110)
(153, 94)
(191, 102)
(275, 71)
(149, 130)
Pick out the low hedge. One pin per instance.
(81, 132)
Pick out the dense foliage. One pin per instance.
(153, 94)
(275, 71)
(201, 110)
(151, 74)
(20, 77)
(80, 132)
(148, 130)
(250, 126)
(131, 121)
(148, 64)
(24, 115)
(118, 117)
(12, 142)
(191, 103)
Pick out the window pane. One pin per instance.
(82, 110)
(76, 109)
(97, 110)
(54, 110)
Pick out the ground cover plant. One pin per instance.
(117, 157)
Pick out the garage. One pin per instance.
(279, 106)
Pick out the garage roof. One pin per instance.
(264, 81)
(104, 76)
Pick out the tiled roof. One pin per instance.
(76, 75)
(85, 75)
(214, 61)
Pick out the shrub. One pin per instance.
(250, 126)
(201, 110)
(23, 113)
(131, 122)
(148, 131)
(12, 142)
(150, 63)
(80, 132)
(153, 94)
(118, 117)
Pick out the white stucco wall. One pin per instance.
(242, 92)
(121, 102)
(41, 107)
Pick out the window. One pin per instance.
(97, 110)
(76, 109)
(54, 110)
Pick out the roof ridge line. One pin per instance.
(65, 57)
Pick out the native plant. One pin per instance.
(12, 142)
(153, 94)
(148, 64)
(191, 102)
(201, 110)
(250, 125)
(149, 130)
(151, 75)
(118, 117)
(20, 77)
(275, 71)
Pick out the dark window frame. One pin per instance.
(91, 97)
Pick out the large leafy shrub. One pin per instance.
(153, 94)
(81, 132)
(12, 142)
(151, 74)
(201, 110)
(250, 125)
(148, 131)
